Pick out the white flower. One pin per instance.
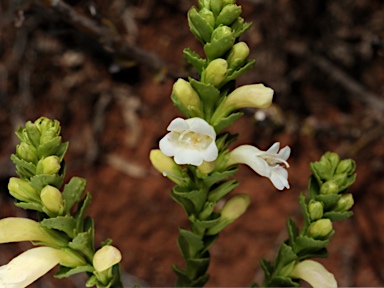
(266, 163)
(190, 141)
(314, 273)
(28, 267)
(106, 257)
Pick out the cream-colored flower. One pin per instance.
(266, 163)
(15, 229)
(314, 273)
(28, 267)
(106, 257)
(190, 141)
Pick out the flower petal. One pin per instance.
(314, 273)
(188, 156)
(28, 267)
(178, 124)
(279, 177)
(199, 125)
(274, 148)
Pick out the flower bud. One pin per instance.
(27, 152)
(186, 95)
(106, 257)
(228, 14)
(52, 199)
(315, 210)
(208, 16)
(346, 166)
(329, 187)
(44, 124)
(237, 55)
(49, 165)
(320, 228)
(221, 32)
(207, 167)
(255, 96)
(222, 39)
(166, 166)
(345, 203)
(215, 72)
(340, 179)
(233, 209)
(22, 190)
(48, 136)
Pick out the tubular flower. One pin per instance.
(314, 273)
(190, 141)
(28, 267)
(106, 257)
(266, 163)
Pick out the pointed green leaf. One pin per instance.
(49, 148)
(199, 26)
(233, 75)
(197, 267)
(33, 133)
(293, 231)
(62, 223)
(329, 200)
(27, 169)
(227, 121)
(305, 245)
(66, 272)
(239, 27)
(30, 206)
(195, 60)
(223, 189)
(189, 244)
(40, 181)
(72, 192)
(81, 212)
(337, 216)
(219, 176)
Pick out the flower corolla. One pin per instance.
(314, 273)
(190, 141)
(106, 257)
(266, 163)
(29, 266)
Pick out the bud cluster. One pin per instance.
(217, 25)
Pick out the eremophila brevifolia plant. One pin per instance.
(195, 156)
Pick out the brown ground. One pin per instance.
(325, 61)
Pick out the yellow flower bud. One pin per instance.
(207, 167)
(49, 165)
(22, 190)
(314, 273)
(329, 187)
(233, 209)
(320, 228)
(237, 55)
(188, 97)
(346, 166)
(52, 199)
(345, 203)
(106, 257)
(27, 152)
(315, 210)
(215, 72)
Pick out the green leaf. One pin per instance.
(239, 27)
(233, 75)
(267, 267)
(208, 242)
(348, 182)
(27, 169)
(228, 14)
(189, 244)
(62, 223)
(223, 189)
(33, 133)
(293, 231)
(305, 245)
(195, 60)
(304, 211)
(30, 206)
(199, 26)
(279, 281)
(49, 148)
(337, 216)
(313, 187)
(218, 47)
(209, 95)
(216, 177)
(329, 200)
(60, 152)
(38, 182)
(72, 192)
(183, 202)
(284, 257)
(197, 197)
(227, 121)
(197, 268)
(81, 211)
(66, 272)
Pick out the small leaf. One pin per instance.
(49, 148)
(279, 281)
(227, 121)
(29, 169)
(81, 211)
(195, 60)
(72, 192)
(239, 27)
(189, 244)
(293, 231)
(233, 75)
(328, 200)
(197, 197)
(285, 256)
(223, 189)
(267, 267)
(305, 245)
(62, 223)
(209, 95)
(66, 272)
(337, 216)
(30, 206)
(199, 26)
(38, 182)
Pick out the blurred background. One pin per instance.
(105, 70)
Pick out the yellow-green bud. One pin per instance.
(48, 136)
(44, 124)
(49, 165)
(329, 187)
(233, 209)
(215, 72)
(315, 210)
(345, 203)
(320, 228)
(346, 166)
(71, 258)
(228, 14)
(52, 199)
(208, 16)
(166, 166)
(184, 92)
(106, 257)
(340, 179)
(207, 167)
(221, 32)
(22, 190)
(27, 152)
(237, 55)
